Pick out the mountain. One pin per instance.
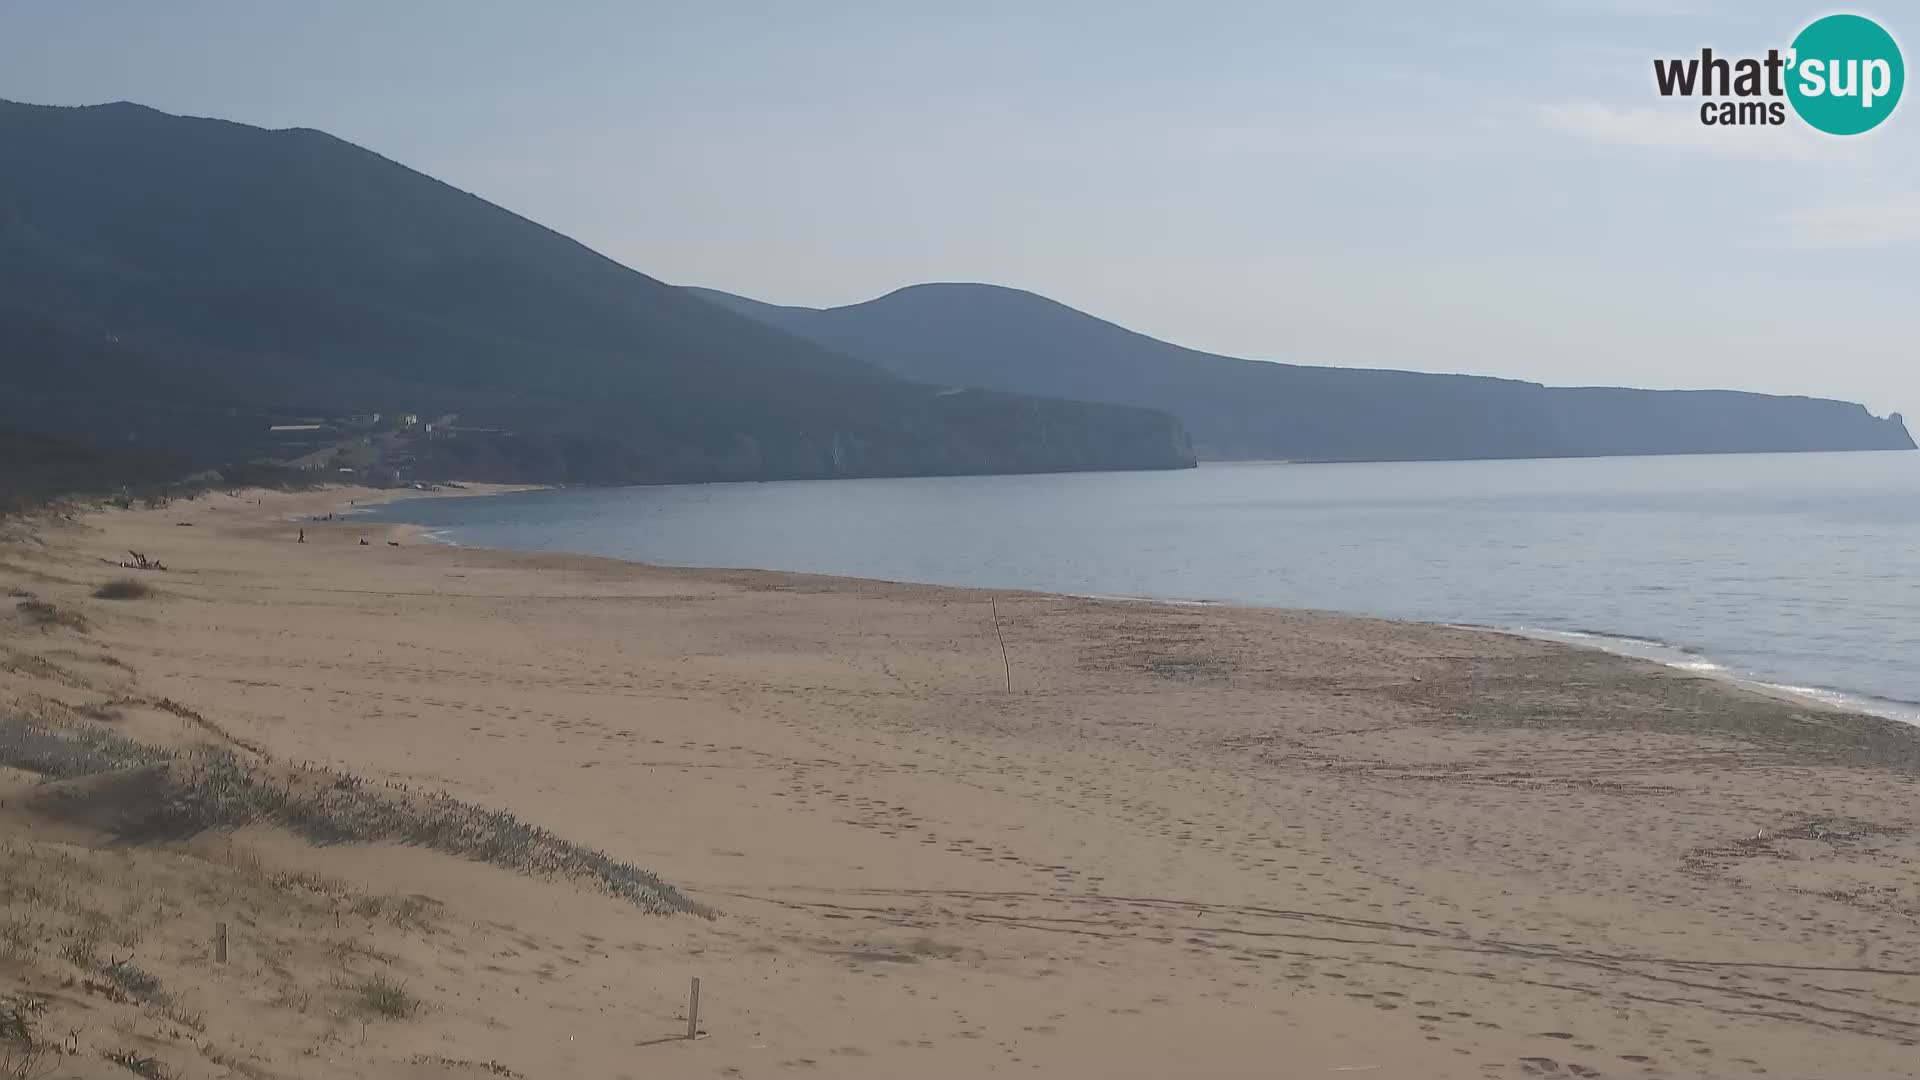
(1006, 339)
(153, 266)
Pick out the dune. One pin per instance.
(474, 813)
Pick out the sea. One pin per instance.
(1799, 572)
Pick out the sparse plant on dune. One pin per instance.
(22, 1056)
(16, 936)
(81, 952)
(202, 788)
(412, 912)
(25, 1061)
(15, 1027)
(43, 614)
(304, 881)
(100, 714)
(140, 1064)
(131, 978)
(123, 589)
(387, 997)
(344, 949)
(194, 1020)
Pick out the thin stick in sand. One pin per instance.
(1005, 664)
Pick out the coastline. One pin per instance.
(1684, 658)
(1678, 656)
(1302, 841)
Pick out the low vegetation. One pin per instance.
(123, 589)
(22, 1054)
(386, 997)
(45, 615)
(139, 1064)
(129, 977)
(205, 788)
(81, 952)
(16, 936)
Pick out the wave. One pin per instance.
(1629, 639)
(1690, 658)
(1890, 708)
(1125, 599)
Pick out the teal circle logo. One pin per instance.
(1846, 74)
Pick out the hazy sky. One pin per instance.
(1479, 186)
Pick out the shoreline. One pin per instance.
(363, 499)
(1296, 837)
(1678, 657)
(1705, 666)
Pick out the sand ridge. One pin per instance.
(1190, 839)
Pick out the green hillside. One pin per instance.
(151, 264)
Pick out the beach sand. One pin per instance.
(1189, 840)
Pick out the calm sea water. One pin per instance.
(1796, 570)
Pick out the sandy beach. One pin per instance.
(1186, 840)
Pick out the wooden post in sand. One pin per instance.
(1005, 664)
(693, 1009)
(219, 943)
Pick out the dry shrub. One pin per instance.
(16, 936)
(140, 1064)
(386, 997)
(22, 1056)
(132, 978)
(123, 589)
(81, 952)
(25, 1061)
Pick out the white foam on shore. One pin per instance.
(1138, 599)
(1906, 712)
(1685, 659)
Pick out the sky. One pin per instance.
(1490, 187)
